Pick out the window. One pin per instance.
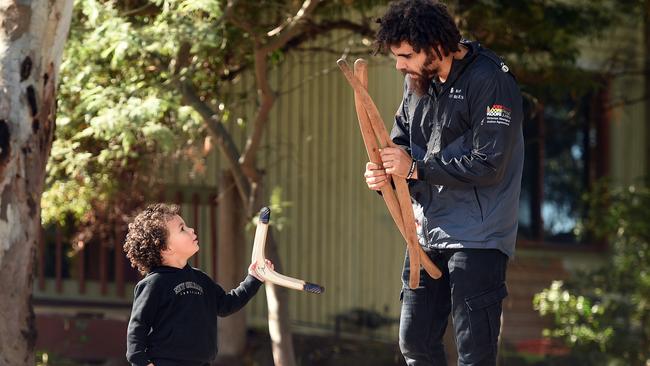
(566, 152)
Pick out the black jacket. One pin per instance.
(174, 316)
(466, 136)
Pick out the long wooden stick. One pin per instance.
(267, 273)
(368, 134)
(403, 195)
(372, 117)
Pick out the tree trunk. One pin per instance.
(646, 73)
(231, 268)
(278, 312)
(32, 35)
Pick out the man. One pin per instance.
(459, 132)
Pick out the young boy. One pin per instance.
(175, 307)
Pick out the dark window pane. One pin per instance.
(556, 170)
(564, 169)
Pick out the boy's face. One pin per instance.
(182, 243)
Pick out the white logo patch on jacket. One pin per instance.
(498, 114)
(456, 94)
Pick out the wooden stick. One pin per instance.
(368, 134)
(404, 197)
(372, 117)
(370, 141)
(267, 273)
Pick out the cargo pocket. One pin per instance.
(485, 316)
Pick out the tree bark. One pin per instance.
(231, 268)
(32, 35)
(278, 312)
(646, 80)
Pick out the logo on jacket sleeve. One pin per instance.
(498, 114)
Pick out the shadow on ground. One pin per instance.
(314, 350)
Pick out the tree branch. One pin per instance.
(146, 9)
(268, 98)
(282, 34)
(182, 59)
(220, 134)
(278, 38)
(229, 15)
(313, 30)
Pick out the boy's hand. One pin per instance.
(252, 269)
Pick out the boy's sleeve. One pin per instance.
(142, 315)
(496, 114)
(228, 303)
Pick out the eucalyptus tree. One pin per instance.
(32, 36)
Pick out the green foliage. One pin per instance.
(542, 40)
(604, 314)
(121, 115)
(46, 358)
(119, 118)
(278, 208)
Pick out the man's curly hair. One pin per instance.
(424, 24)
(147, 236)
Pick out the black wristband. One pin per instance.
(411, 170)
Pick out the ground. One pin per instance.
(327, 351)
(310, 351)
(313, 350)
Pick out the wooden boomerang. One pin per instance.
(369, 140)
(267, 273)
(403, 195)
(369, 121)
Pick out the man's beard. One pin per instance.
(420, 82)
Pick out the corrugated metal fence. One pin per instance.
(336, 233)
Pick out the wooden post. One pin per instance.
(81, 267)
(41, 259)
(213, 235)
(119, 263)
(58, 260)
(195, 219)
(103, 268)
(538, 194)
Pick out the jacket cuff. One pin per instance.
(251, 282)
(421, 167)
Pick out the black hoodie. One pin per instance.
(174, 316)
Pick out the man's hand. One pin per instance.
(396, 161)
(252, 269)
(375, 175)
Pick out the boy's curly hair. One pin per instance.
(424, 24)
(147, 236)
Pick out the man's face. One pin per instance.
(420, 66)
(182, 242)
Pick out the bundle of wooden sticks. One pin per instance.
(397, 200)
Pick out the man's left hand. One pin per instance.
(396, 161)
